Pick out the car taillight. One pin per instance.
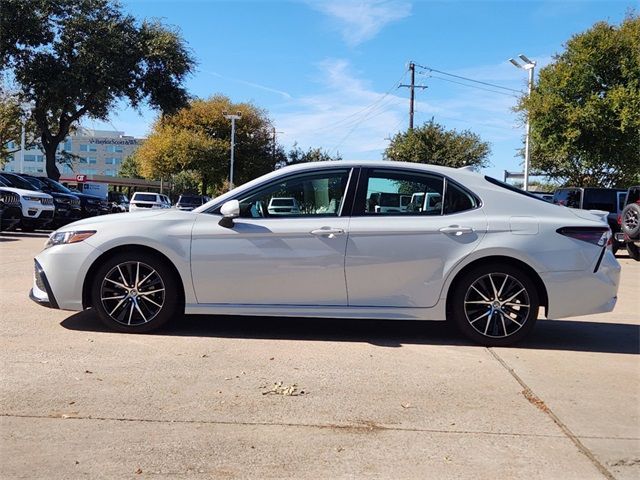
(596, 235)
(619, 219)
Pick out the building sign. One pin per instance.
(81, 178)
(97, 189)
(114, 141)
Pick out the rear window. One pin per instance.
(598, 199)
(144, 197)
(511, 188)
(190, 199)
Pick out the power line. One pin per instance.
(468, 79)
(473, 86)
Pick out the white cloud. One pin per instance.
(361, 20)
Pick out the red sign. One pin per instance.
(81, 178)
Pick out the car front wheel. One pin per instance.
(495, 305)
(135, 292)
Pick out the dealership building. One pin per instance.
(92, 153)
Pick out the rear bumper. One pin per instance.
(580, 292)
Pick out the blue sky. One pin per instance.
(327, 71)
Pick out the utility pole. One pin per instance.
(273, 148)
(412, 96)
(233, 119)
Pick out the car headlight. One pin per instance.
(31, 199)
(60, 238)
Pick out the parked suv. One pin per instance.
(67, 205)
(147, 200)
(630, 223)
(189, 201)
(90, 205)
(37, 207)
(606, 199)
(10, 209)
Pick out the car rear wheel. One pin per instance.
(631, 220)
(495, 305)
(135, 292)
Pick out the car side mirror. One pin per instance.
(229, 211)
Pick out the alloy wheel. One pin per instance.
(132, 293)
(497, 305)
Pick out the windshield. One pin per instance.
(190, 200)
(19, 182)
(144, 197)
(55, 186)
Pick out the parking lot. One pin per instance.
(357, 399)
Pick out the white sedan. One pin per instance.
(487, 259)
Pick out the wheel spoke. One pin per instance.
(117, 306)
(146, 278)
(151, 292)
(486, 327)
(513, 304)
(504, 282)
(117, 283)
(484, 297)
(146, 299)
(493, 287)
(135, 302)
(504, 327)
(514, 296)
(489, 312)
(137, 275)
(122, 277)
(117, 297)
(480, 302)
(130, 313)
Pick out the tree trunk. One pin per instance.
(52, 169)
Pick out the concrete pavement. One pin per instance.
(381, 399)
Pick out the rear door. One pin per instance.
(400, 258)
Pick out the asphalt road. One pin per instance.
(371, 399)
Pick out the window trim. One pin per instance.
(361, 194)
(347, 203)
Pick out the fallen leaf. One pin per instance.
(88, 371)
(272, 358)
(138, 471)
(339, 449)
(405, 405)
(205, 356)
(71, 403)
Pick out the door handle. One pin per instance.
(327, 232)
(456, 230)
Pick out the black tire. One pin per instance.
(631, 220)
(149, 302)
(615, 246)
(478, 316)
(634, 251)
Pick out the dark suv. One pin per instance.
(630, 223)
(190, 201)
(607, 199)
(90, 205)
(10, 210)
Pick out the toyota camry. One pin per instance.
(374, 240)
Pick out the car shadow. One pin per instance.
(570, 335)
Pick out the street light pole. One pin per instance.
(530, 66)
(233, 119)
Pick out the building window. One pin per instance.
(67, 145)
(34, 158)
(64, 168)
(114, 148)
(33, 169)
(88, 171)
(11, 145)
(110, 172)
(90, 160)
(113, 161)
(90, 147)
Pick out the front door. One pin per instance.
(287, 247)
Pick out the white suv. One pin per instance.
(147, 200)
(37, 208)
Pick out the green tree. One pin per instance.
(11, 117)
(585, 109)
(76, 58)
(432, 143)
(198, 137)
(130, 168)
(297, 155)
(186, 181)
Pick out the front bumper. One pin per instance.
(41, 292)
(63, 271)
